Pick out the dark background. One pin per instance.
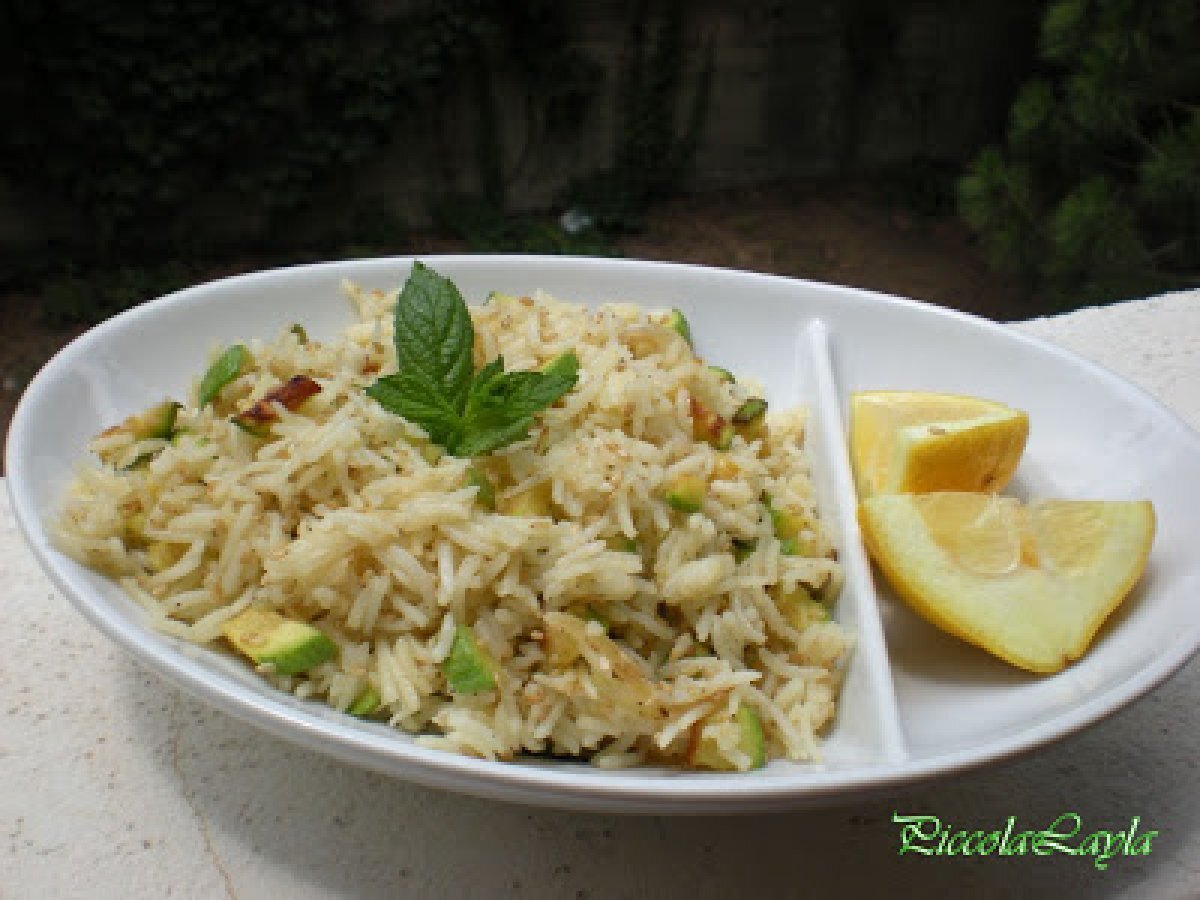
(1008, 159)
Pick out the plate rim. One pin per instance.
(585, 787)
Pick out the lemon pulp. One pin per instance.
(1032, 585)
(917, 441)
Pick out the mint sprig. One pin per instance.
(469, 413)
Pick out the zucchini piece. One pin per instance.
(467, 668)
(785, 524)
(228, 366)
(800, 607)
(486, 495)
(160, 555)
(591, 614)
(724, 374)
(705, 754)
(290, 646)
(156, 423)
(742, 548)
(134, 532)
(532, 502)
(686, 493)
(753, 741)
(366, 703)
(750, 410)
(677, 322)
(138, 461)
(621, 544)
(252, 428)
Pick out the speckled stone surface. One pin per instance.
(113, 784)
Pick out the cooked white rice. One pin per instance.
(346, 517)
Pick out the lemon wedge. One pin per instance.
(1030, 584)
(915, 441)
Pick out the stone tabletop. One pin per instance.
(113, 784)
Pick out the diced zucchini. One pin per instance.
(707, 755)
(467, 668)
(288, 645)
(785, 524)
(228, 366)
(365, 703)
(156, 423)
(162, 555)
(300, 333)
(753, 742)
(621, 544)
(800, 607)
(742, 548)
(591, 614)
(804, 546)
(788, 526)
(686, 493)
(750, 420)
(138, 461)
(135, 529)
(676, 320)
(724, 374)
(751, 410)
(486, 495)
(251, 427)
(532, 502)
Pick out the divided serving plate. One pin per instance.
(916, 703)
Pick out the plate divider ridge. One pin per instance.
(814, 351)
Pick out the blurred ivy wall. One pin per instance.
(189, 125)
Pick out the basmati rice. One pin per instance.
(348, 518)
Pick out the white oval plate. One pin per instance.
(916, 704)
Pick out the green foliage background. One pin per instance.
(1095, 194)
(163, 141)
(145, 119)
(144, 126)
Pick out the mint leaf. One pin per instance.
(520, 394)
(434, 336)
(404, 395)
(492, 435)
(469, 413)
(530, 395)
(501, 405)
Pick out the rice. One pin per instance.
(621, 630)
